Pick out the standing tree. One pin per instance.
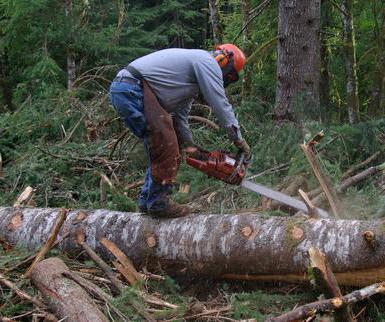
(71, 65)
(349, 53)
(6, 90)
(325, 58)
(298, 57)
(215, 22)
(377, 106)
(246, 33)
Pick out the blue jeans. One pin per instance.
(127, 100)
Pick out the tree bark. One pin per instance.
(349, 52)
(215, 22)
(64, 297)
(211, 245)
(298, 59)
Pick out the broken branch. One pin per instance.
(327, 282)
(20, 293)
(61, 217)
(327, 306)
(331, 195)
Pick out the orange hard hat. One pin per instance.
(237, 54)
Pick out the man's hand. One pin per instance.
(190, 149)
(245, 148)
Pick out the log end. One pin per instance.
(337, 302)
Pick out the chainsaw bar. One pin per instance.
(281, 197)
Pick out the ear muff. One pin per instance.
(222, 59)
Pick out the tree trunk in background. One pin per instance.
(377, 106)
(349, 52)
(247, 77)
(210, 245)
(6, 91)
(298, 58)
(215, 22)
(325, 58)
(71, 65)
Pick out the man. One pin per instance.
(153, 96)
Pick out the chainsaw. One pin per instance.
(231, 169)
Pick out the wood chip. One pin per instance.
(24, 197)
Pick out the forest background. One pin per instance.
(322, 69)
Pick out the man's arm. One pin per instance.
(181, 125)
(209, 79)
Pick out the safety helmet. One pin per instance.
(237, 55)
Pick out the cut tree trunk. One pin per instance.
(211, 245)
(64, 297)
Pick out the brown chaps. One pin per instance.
(163, 143)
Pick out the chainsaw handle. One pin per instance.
(241, 161)
(241, 158)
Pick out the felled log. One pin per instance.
(360, 177)
(63, 296)
(245, 245)
(356, 167)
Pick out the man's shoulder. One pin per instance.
(186, 52)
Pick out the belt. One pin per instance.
(128, 80)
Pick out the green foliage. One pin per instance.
(260, 305)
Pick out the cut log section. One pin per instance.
(64, 297)
(214, 245)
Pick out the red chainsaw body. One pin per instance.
(219, 165)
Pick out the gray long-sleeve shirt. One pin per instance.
(177, 76)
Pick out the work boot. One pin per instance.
(169, 209)
(141, 202)
(142, 209)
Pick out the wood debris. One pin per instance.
(24, 197)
